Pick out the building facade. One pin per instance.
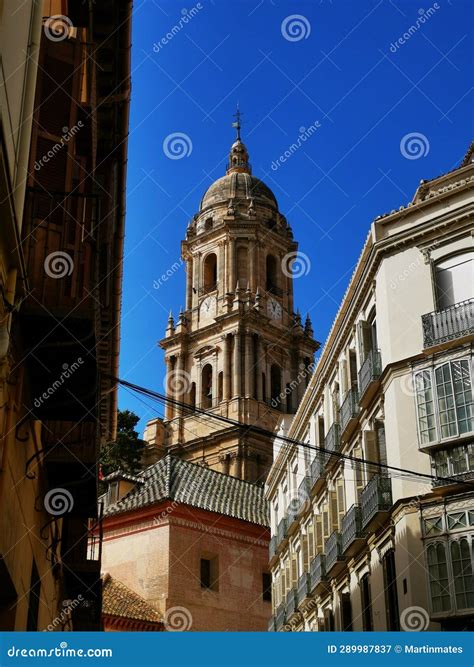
(238, 349)
(193, 543)
(64, 124)
(358, 541)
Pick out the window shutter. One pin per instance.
(325, 522)
(294, 570)
(318, 526)
(334, 513)
(341, 509)
(288, 576)
(305, 552)
(371, 453)
(364, 338)
(358, 472)
(283, 585)
(310, 543)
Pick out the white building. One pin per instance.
(358, 545)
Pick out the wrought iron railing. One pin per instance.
(280, 617)
(351, 526)
(273, 546)
(447, 324)
(317, 570)
(292, 514)
(291, 602)
(271, 624)
(332, 441)
(304, 586)
(282, 530)
(369, 371)
(333, 550)
(376, 497)
(349, 407)
(304, 491)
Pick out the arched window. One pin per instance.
(206, 386)
(210, 272)
(192, 395)
(438, 575)
(272, 278)
(462, 574)
(454, 280)
(275, 385)
(220, 386)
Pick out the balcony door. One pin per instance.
(454, 280)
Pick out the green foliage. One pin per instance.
(125, 453)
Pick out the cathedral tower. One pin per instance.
(237, 349)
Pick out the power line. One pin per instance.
(191, 409)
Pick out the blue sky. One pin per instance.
(290, 65)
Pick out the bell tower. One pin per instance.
(238, 348)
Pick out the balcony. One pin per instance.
(352, 534)
(304, 588)
(292, 516)
(451, 482)
(454, 322)
(271, 624)
(332, 441)
(333, 550)
(349, 410)
(291, 606)
(281, 531)
(304, 491)
(272, 547)
(318, 572)
(368, 375)
(280, 618)
(376, 501)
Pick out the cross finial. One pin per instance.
(237, 124)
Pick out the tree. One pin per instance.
(126, 452)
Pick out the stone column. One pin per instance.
(169, 412)
(248, 365)
(215, 381)
(189, 283)
(252, 265)
(258, 369)
(237, 384)
(226, 380)
(231, 267)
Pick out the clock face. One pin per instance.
(208, 307)
(274, 309)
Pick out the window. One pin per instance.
(462, 574)
(272, 281)
(391, 595)
(444, 401)
(34, 600)
(366, 603)
(346, 612)
(209, 573)
(275, 384)
(438, 577)
(454, 280)
(455, 461)
(266, 587)
(210, 272)
(206, 386)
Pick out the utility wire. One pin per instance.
(270, 434)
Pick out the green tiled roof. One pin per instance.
(171, 478)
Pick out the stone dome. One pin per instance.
(239, 186)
